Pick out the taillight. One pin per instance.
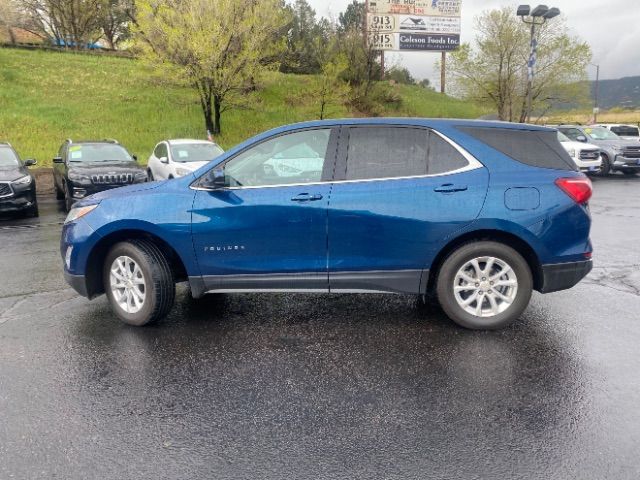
(578, 188)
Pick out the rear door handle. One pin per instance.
(450, 188)
(307, 197)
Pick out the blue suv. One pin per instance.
(478, 213)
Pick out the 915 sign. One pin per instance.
(382, 41)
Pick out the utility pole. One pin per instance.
(443, 64)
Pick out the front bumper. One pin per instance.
(18, 202)
(562, 276)
(626, 163)
(77, 282)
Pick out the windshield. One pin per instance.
(8, 158)
(195, 152)
(600, 133)
(563, 138)
(98, 152)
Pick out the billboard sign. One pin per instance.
(413, 24)
(450, 8)
(427, 25)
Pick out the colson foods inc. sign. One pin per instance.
(414, 24)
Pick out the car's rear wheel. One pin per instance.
(484, 285)
(139, 282)
(606, 166)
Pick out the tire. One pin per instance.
(150, 175)
(630, 173)
(68, 201)
(59, 193)
(159, 286)
(606, 166)
(460, 263)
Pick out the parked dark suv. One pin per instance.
(17, 185)
(478, 213)
(87, 167)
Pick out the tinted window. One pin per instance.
(161, 150)
(443, 157)
(625, 131)
(287, 159)
(195, 152)
(535, 148)
(8, 158)
(98, 153)
(384, 152)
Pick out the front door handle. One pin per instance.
(450, 188)
(307, 197)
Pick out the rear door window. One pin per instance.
(386, 152)
(537, 148)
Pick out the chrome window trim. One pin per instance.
(473, 164)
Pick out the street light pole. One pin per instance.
(596, 109)
(536, 17)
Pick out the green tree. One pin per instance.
(494, 70)
(220, 47)
(303, 33)
(329, 87)
(353, 17)
(115, 20)
(400, 75)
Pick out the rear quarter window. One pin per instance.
(531, 147)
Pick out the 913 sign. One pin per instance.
(381, 23)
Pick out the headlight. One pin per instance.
(572, 152)
(181, 172)
(79, 178)
(26, 180)
(79, 212)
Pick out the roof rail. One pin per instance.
(68, 140)
(111, 140)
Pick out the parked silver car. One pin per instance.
(618, 155)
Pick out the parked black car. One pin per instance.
(17, 185)
(87, 167)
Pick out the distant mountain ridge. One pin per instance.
(622, 92)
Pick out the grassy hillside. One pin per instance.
(46, 97)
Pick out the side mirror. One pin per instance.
(581, 138)
(215, 179)
(30, 162)
(164, 160)
(58, 160)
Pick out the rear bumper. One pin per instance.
(562, 276)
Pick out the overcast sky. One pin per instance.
(611, 27)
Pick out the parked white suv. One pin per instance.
(627, 132)
(586, 155)
(177, 158)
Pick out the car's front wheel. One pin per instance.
(139, 282)
(484, 285)
(605, 169)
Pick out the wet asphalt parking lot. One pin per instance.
(303, 386)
